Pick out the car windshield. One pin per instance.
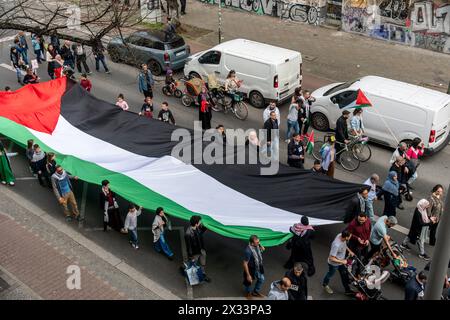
(339, 87)
(176, 43)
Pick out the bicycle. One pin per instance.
(225, 103)
(352, 153)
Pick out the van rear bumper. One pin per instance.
(431, 151)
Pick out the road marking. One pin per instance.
(11, 68)
(25, 178)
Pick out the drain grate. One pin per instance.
(3, 285)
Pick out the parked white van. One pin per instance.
(269, 73)
(399, 112)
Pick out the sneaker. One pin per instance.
(108, 72)
(4, 182)
(405, 247)
(90, 72)
(133, 245)
(249, 296)
(328, 289)
(258, 294)
(401, 207)
(424, 257)
(136, 247)
(170, 258)
(12, 184)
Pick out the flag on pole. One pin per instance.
(362, 101)
(310, 145)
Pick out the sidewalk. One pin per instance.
(330, 54)
(36, 250)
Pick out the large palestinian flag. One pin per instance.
(96, 140)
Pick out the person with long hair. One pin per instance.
(50, 58)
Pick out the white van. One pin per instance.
(269, 73)
(399, 112)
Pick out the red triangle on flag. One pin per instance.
(361, 100)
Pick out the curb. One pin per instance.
(108, 257)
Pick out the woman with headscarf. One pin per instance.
(300, 245)
(391, 194)
(204, 110)
(108, 203)
(419, 227)
(6, 175)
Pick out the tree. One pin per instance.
(82, 21)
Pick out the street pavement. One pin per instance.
(224, 264)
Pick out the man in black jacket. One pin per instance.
(299, 283)
(356, 205)
(296, 152)
(67, 55)
(269, 125)
(341, 132)
(194, 242)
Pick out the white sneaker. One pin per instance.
(133, 245)
(3, 182)
(136, 247)
(328, 289)
(11, 183)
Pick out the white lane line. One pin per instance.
(11, 68)
(397, 227)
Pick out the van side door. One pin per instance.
(209, 63)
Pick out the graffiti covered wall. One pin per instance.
(305, 11)
(423, 24)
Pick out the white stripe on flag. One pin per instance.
(173, 179)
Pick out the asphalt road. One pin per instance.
(224, 254)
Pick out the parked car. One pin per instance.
(269, 73)
(399, 112)
(151, 47)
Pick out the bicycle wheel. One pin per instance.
(241, 110)
(348, 161)
(362, 152)
(186, 100)
(316, 151)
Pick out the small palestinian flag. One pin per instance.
(362, 101)
(310, 145)
(95, 140)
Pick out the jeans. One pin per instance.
(342, 271)
(259, 277)
(38, 55)
(161, 244)
(292, 124)
(132, 234)
(413, 178)
(101, 59)
(18, 74)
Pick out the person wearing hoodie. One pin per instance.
(299, 283)
(271, 107)
(391, 194)
(300, 245)
(419, 227)
(131, 225)
(38, 162)
(279, 289)
(62, 188)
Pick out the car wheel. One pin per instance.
(320, 121)
(257, 99)
(154, 67)
(114, 56)
(194, 75)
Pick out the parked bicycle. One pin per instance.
(352, 153)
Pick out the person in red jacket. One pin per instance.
(85, 82)
(360, 229)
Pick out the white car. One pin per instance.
(399, 111)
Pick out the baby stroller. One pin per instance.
(402, 272)
(193, 87)
(369, 280)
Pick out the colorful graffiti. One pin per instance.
(305, 11)
(423, 24)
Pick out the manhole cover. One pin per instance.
(3, 285)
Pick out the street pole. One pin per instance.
(448, 89)
(441, 257)
(220, 21)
